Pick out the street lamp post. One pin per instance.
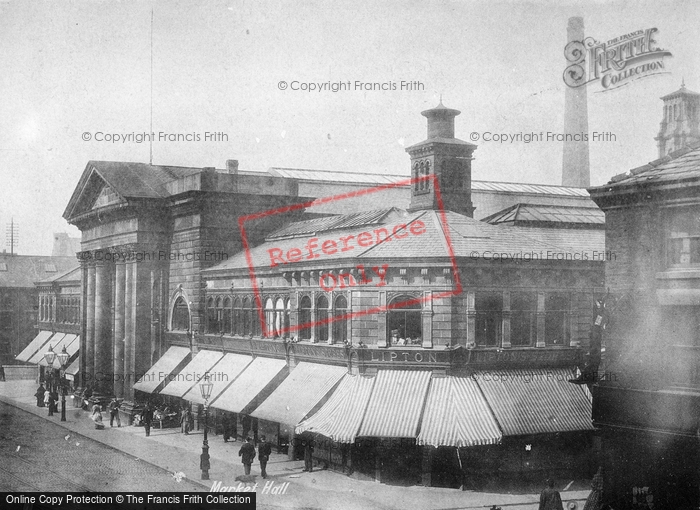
(205, 387)
(63, 359)
(49, 356)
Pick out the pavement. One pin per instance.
(176, 453)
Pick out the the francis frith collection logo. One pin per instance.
(616, 62)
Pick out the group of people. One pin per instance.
(247, 454)
(45, 398)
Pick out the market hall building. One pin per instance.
(410, 340)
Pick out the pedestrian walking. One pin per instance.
(185, 416)
(47, 399)
(264, 452)
(308, 456)
(97, 416)
(54, 396)
(147, 419)
(247, 454)
(40, 396)
(114, 412)
(550, 498)
(226, 424)
(51, 402)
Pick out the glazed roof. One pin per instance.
(469, 238)
(547, 214)
(24, 270)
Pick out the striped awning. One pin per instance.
(34, 346)
(340, 417)
(189, 376)
(73, 369)
(535, 401)
(456, 414)
(222, 375)
(55, 343)
(162, 369)
(396, 404)
(242, 394)
(299, 393)
(72, 345)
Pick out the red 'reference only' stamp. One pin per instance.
(313, 249)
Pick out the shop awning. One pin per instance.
(162, 369)
(222, 375)
(73, 369)
(242, 394)
(299, 393)
(192, 373)
(340, 417)
(72, 344)
(34, 346)
(38, 357)
(535, 401)
(396, 404)
(456, 414)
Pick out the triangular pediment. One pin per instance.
(107, 197)
(92, 193)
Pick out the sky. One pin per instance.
(73, 70)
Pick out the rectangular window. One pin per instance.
(523, 319)
(489, 313)
(683, 239)
(556, 320)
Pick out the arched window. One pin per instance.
(305, 317)
(269, 318)
(237, 317)
(422, 171)
(247, 317)
(227, 316)
(416, 174)
(340, 326)
(321, 319)
(287, 315)
(279, 317)
(404, 324)
(427, 173)
(211, 316)
(181, 315)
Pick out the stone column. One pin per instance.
(119, 284)
(103, 344)
(313, 314)
(89, 353)
(129, 302)
(540, 320)
(381, 320)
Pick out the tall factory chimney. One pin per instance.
(576, 170)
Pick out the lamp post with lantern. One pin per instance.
(62, 356)
(205, 387)
(49, 356)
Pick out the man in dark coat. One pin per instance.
(247, 454)
(114, 413)
(147, 419)
(550, 498)
(308, 455)
(264, 452)
(40, 396)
